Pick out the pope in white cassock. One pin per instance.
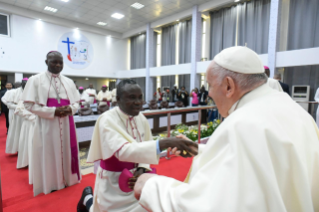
(91, 92)
(54, 99)
(104, 96)
(12, 143)
(263, 157)
(122, 140)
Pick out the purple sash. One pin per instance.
(73, 142)
(114, 165)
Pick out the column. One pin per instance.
(149, 62)
(273, 41)
(18, 77)
(196, 47)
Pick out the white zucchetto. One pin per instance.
(241, 60)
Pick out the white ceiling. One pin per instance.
(92, 11)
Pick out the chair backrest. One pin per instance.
(179, 104)
(153, 105)
(86, 111)
(164, 104)
(102, 108)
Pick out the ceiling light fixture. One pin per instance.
(101, 23)
(51, 9)
(177, 20)
(65, 0)
(117, 16)
(137, 5)
(237, 0)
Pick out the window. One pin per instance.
(4, 25)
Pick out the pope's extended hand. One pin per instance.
(139, 185)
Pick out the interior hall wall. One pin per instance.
(31, 40)
(303, 75)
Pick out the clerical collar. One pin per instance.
(123, 114)
(249, 96)
(53, 75)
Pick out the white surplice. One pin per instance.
(117, 134)
(274, 84)
(12, 143)
(104, 95)
(263, 157)
(90, 92)
(6, 100)
(51, 150)
(84, 97)
(26, 134)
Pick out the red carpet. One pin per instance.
(17, 194)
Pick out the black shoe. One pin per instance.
(86, 191)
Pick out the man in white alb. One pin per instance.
(7, 100)
(122, 140)
(263, 157)
(92, 94)
(54, 99)
(84, 97)
(12, 143)
(104, 96)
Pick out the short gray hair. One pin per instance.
(244, 81)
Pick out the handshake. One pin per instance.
(179, 146)
(63, 111)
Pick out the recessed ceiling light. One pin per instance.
(51, 9)
(117, 16)
(137, 5)
(177, 20)
(101, 23)
(65, 0)
(237, 0)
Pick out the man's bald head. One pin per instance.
(52, 53)
(17, 84)
(277, 77)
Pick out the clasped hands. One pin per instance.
(63, 111)
(179, 146)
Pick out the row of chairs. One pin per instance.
(153, 105)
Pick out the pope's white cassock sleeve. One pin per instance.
(317, 100)
(274, 84)
(133, 143)
(51, 147)
(263, 157)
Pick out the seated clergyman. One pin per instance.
(122, 140)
